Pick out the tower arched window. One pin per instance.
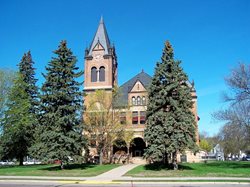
(138, 100)
(102, 74)
(143, 100)
(93, 74)
(133, 101)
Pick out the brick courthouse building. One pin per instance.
(101, 73)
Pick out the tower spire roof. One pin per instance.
(101, 37)
(101, 20)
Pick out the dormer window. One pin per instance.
(133, 101)
(143, 100)
(138, 100)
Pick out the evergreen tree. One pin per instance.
(22, 106)
(6, 81)
(28, 71)
(17, 125)
(59, 136)
(170, 123)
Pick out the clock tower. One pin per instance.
(100, 67)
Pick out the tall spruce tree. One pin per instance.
(21, 114)
(28, 71)
(17, 127)
(59, 135)
(170, 122)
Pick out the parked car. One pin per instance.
(57, 161)
(30, 162)
(247, 158)
(6, 162)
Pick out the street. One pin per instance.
(8, 183)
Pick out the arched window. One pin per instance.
(138, 100)
(143, 100)
(133, 101)
(102, 74)
(93, 74)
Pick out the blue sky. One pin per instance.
(210, 37)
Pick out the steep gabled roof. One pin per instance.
(101, 37)
(143, 77)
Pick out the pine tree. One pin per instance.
(28, 71)
(21, 114)
(17, 128)
(6, 81)
(170, 123)
(59, 135)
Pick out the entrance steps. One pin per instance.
(138, 160)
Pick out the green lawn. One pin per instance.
(74, 170)
(212, 169)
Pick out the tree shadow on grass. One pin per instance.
(232, 165)
(184, 167)
(161, 166)
(69, 167)
(7, 166)
(21, 166)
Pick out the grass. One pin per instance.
(73, 170)
(212, 169)
(183, 181)
(206, 180)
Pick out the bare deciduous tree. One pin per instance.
(233, 138)
(235, 135)
(102, 121)
(239, 84)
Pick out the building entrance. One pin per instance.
(137, 147)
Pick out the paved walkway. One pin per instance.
(114, 174)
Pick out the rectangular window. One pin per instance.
(123, 118)
(142, 117)
(134, 117)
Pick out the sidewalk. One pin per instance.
(151, 179)
(114, 174)
(125, 178)
(117, 175)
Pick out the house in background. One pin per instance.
(216, 153)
